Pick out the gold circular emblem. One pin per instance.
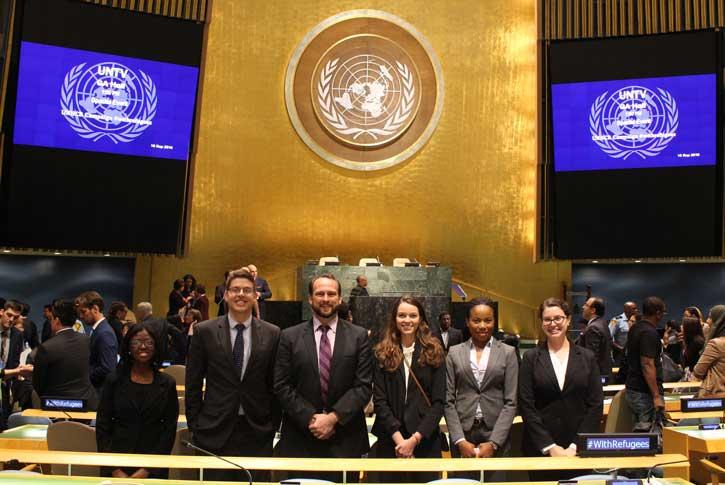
(364, 90)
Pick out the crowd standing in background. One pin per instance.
(312, 382)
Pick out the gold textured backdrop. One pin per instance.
(467, 199)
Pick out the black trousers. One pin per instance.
(479, 434)
(242, 442)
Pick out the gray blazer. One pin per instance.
(497, 393)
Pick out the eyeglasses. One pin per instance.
(137, 343)
(237, 290)
(559, 319)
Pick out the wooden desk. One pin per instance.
(667, 385)
(332, 464)
(678, 415)
(64, 480)
(26, 437)
(88, 415)
(693, 443)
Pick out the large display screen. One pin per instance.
(634, 147)
(100, 112)
(92, 101)
(634, 123)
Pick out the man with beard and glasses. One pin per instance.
(322, 380)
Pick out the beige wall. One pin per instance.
(466, 199)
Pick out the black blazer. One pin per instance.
(124, 426)
(297, 386)
(61, 368)
(597, 338)
(219, 299)
(392, 411)
(265, 293)
(211, 415)
(554, 416)
(16, 348)
(455, 337)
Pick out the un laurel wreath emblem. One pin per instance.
(108, 100)
(364, 90)
(633, 120)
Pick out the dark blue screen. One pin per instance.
(634, 123)
(90, 101)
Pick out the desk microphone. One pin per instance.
(189, 444)
(652, 468)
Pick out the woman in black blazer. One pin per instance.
(139, 405)
(560, 391)
(407, 417)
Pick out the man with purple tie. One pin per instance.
(322, 380)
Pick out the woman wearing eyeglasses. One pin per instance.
(560, 391)
(139, 405)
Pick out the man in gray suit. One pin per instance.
(482, 381)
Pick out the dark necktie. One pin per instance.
(238, 351)
(325, 354)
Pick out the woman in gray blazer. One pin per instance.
(482, 379)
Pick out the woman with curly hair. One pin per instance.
(409, 390)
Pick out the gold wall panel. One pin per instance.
(467, 199)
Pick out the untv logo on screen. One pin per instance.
(634, 120)
(108, 100)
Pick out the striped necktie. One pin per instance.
(325, 355)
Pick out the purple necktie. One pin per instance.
(325, 356)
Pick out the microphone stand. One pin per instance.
(652, 468)
(188, 444)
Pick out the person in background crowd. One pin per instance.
(191, 318)
(219, 296)
(480, 411)
(263, 291)
(144, 311)
(711, 366)
(236, 413)
(694, 312)
(189, 287)
(672, 341)
(201, 302)
(560, 391)
(104, 346)
(323, 408)
(61, 363)
(139, 406)
(449, 335)
(596, 336)
(11, 346)
(176, 299)
(408, 410)
(47, 331)
(30, 330)
(644, 391)
(619, 327)
(693, 341)
(360, 289)
(344, 312)
(116, 316)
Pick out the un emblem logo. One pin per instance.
(634, 121)
(108, 100)
(364, 90)
(367, 99)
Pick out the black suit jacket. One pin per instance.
(219, 299)
(264, 293)
(104, 349)
(297, 386)
(455, 337)
(597, 338)
(393, 412)
(61, 368)
(554, 416)
(125, 426)
(30, 333)
(16, 348)
(212, 414)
